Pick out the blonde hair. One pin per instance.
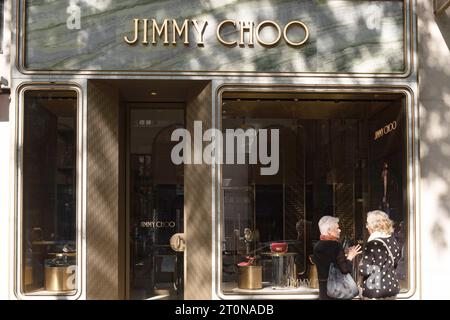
(378, 220)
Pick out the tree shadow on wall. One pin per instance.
(434, 67)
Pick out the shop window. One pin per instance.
(340, 155)
(49, 177)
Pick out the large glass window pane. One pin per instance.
(339, 154)
(49, 192)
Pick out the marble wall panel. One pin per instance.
(345, 36)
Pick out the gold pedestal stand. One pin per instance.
(250, 277)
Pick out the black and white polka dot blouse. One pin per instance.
(378, 269)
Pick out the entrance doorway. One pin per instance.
(156, 201)
(137, 200)
(155, 208)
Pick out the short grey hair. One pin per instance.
(326, 223)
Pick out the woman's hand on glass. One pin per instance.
(353, 252)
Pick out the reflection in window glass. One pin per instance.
(49, 192)
(339, 157)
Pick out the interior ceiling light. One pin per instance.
(153, 93)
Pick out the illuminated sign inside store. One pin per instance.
(158, 224)
(149, 31)
(385, 130)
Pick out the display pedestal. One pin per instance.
(57, 279)
(250, 277)
(283, 270)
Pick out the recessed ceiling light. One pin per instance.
(153, 93)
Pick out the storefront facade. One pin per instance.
(105, 203)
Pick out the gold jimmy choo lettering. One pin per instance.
(255, 32)
(385, 130)
(161, 30)
(169, 31)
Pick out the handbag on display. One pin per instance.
(339, 285)
(278, 247)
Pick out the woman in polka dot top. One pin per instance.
(379, 259)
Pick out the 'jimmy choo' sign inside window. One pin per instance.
(385, 130)
(158, 224)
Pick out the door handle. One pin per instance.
(177, 242)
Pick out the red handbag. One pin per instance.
(278, 247)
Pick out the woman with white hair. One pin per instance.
(329, 250)
(380, 257)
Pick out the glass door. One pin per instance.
(155, 206)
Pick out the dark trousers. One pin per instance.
(323, 290)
